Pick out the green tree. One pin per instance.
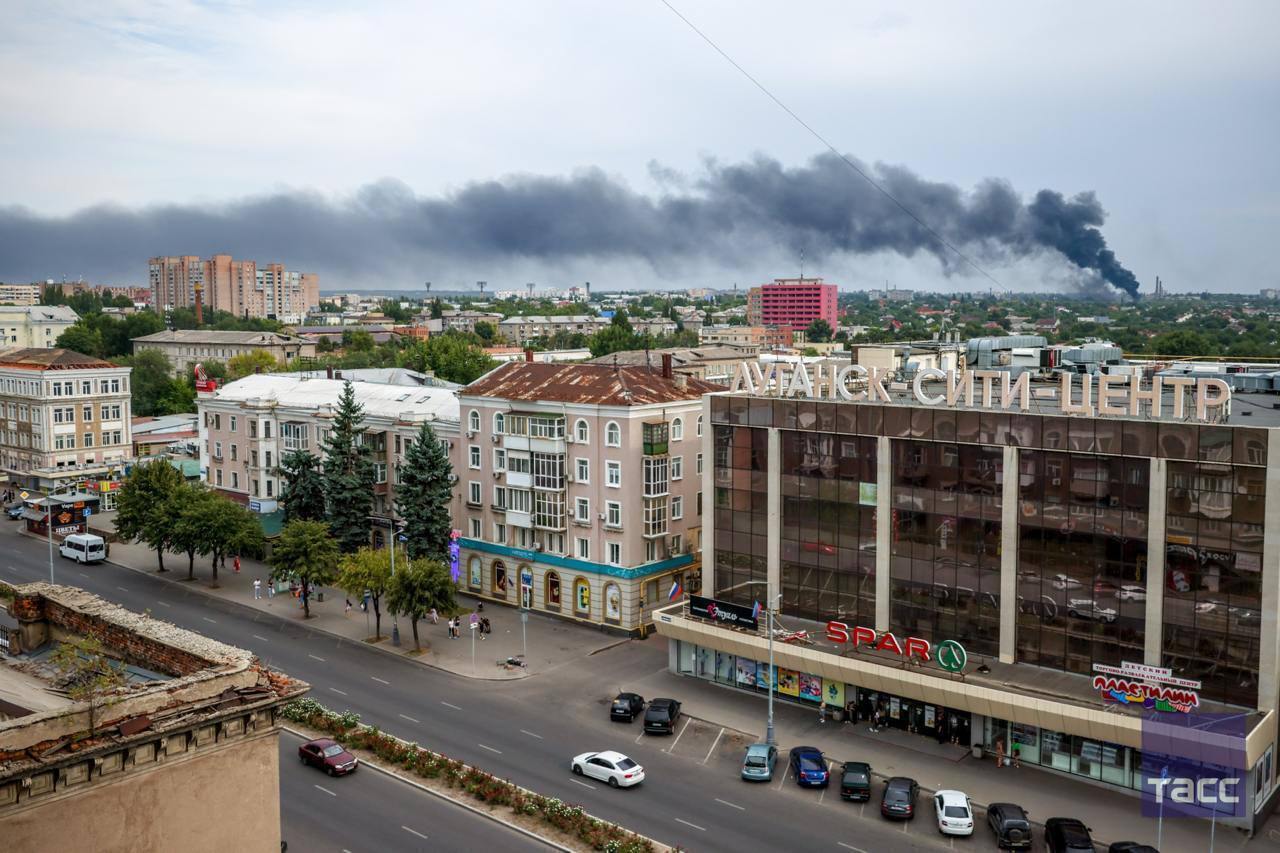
(214, 369)
(452, 356)
(249, 363)
(142, 506)
(368, 570)
(155, 390)
(618, 336)
(486, 332)
(81, 338)
(187, 510)
(437, 310)
(1181, 343)
(87, 674)
(357, 340)
(228, 528)
(424, 496)
(302, 495)
(819, 332)
(348, 474)
(307, 555)
(419, 587)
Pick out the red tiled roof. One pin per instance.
(595, 384)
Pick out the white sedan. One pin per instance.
(1061, 581)
(955, 815)
(612, 767)
(1133, 592)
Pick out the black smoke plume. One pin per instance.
(733, 215)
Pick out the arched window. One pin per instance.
(699, 426)
(612, 602)
(552, 596)
(581, 432)
(499, 579)
(474, 570)
(499, 423)
(613, 434)
(473, 421)
(677, 429)
(581, 596)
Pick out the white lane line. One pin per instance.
(640, 736)
(259, 637)
(413, 832)
(83, 575)
(530, 734)
(410, 719)
(822, 796)
(450, 705)
(714, 744)
(339, 692)
(851, 847)
(163, 603)
(326, 790)
(491, 749)
(580, 782)
(379, 680)
(783, 780)
(694, 825)
(207, 619)
(122, 589)
(731, 805)
(313, 657)
(671, 749)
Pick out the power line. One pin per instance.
(818, 136)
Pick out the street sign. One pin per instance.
(24, 495)
(475, 620)
(524, 615)
(88, 511)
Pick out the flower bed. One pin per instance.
(488, 789)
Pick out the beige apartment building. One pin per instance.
(186, 348)
(522, 330)
(243, 288)
(63, 416)
(34, 325)
(756, 338)
(579, 488)
(19, 294)
(247, 426)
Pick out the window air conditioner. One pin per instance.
(470, 434)
(495, 438)
(497, 474)
(569, 479)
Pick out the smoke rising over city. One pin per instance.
(734, 217)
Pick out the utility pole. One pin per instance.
(395, 617)
(768, 732)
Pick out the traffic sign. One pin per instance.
(88, 511)
(475, 620)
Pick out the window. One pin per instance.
(615, 553)
(677, 429)
(655, 476)
(582, 510)
(233, 423)
(697, 464)
(519, 500)
(86, 415)
(86, 385)
(499, 497)
(271, 484)
(499, 459)
(548, 470)
(584, 549)
(581, 432)
(217, 450)
(217, 476)
(253, 428)
(266, 454)
(235, 448)
(548, 510)
(553, 590)
(379, 472)
(473, 493)
(266, 429)
(500, 533)
(475, 528)
(650, 551)
(613, 474)
(677, 544)
(698, 427)
(499, 423)
(613, 435)
(473, 456)
(677, 507)
(677, 467)
(473, 421)
(519, 464)
(581, 596)
(546, 427)
(294, 435)
(555, 543)
(655, 516)
(583, 470)
(612, 514)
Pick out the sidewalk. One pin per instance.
(1113, 816)
(553, 642)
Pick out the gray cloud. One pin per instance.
(728, 216)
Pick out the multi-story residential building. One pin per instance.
(465, 321)
(243, 288)
(522, 330)
(754, 338)
(34, 326)
(579, 487)
(247, 426)
(714, 364)
(19, 294)
(792, 302)
(656, 326)
(187, 347)
(63, 417)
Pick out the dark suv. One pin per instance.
(1067, 835)
(660, 717)
(625, 706)
(1010, 826)
(899, 799)
(855, 781)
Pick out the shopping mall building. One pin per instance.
(1024, 566)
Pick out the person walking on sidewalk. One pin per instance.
(875, 720)
(235, 564)
(822, 712)
(271, 588)
(257, 588)
(347, 609)
(435, 617)
(999, 752)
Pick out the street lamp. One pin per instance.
(392, 532)
(768, 732)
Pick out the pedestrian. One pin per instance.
(822, 711)
(450, 627)
(999, 752)
(434, 616)
(850, 712)
(347, 609)
(481, 628)
(257, 588)
(235, 564)
(484, 625)
(1017, 757)
(874, 720)
(271, 588)
(954, 725)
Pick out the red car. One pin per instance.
(329, 756)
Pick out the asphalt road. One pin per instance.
(368, 811)
(524, 730)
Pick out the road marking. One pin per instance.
(714, 744)
(379, 680)
(640, 736)
(530, 734)
(830, 766)
(83, 575)
(491, 749)
(410, 719)
(263, 639)
(783, 780)
(313, 657)
(694, 825)
(450, 705)
(207, 619)
(904, 827)
(671, 749)
(163, 603)
(339, 692)
(730, 805)
(122, 589)
(851, 847)
(326, 790)
(413, 832)
(580, 782)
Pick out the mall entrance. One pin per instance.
(944, 725)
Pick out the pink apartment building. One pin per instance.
(579, 488)
(792, 302)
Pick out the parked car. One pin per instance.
(1131, 847)
(625, 706)
(855, 781)
(758, 763)
(608, 766)
(329, 756)
(15, 512)
(1088, 608)
(1133, 592)
(83, 548)
(899, 798)
(660, 717)
(1010, 825)
(809, 767)
(1067, 835)
(955, 815)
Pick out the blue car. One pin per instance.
(757, 765)
(809, 767)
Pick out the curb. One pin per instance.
(555, 845)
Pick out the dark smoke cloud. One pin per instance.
(731, 215)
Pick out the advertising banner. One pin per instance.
(723, 612)
(746, 672)
(788, 682)
(1194, 765)
(833, 692)
(810, 687)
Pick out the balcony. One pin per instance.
(655, 436)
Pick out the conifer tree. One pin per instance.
(424, 495)
(302, 495)
(348, 475)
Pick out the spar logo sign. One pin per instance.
(1194, 765)
(951, 656)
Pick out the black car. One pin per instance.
(855, 781)
(899, 800)
(1067, 835)
(1010, 826)
(1131, 847)
(625, 706)
(660, 717)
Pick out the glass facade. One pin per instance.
(741, 513)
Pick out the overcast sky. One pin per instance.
(455, 141)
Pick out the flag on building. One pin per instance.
(755, 610)
(675, 591)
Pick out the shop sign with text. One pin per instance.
(724, 612)
(949, 655)
(1154, 688)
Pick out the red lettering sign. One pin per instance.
(916, 647)
(889, 643)
(839, 632)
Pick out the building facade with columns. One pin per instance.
(1020, 573)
